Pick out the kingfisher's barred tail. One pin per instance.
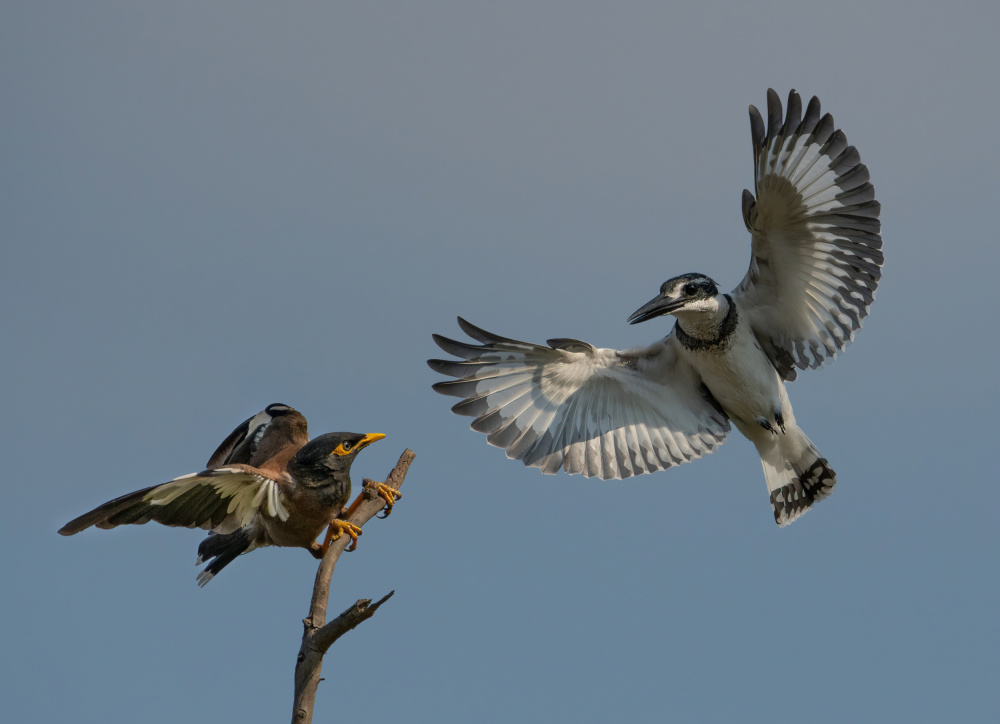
(797, 475)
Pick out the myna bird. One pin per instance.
(267, 484)
(815, 264)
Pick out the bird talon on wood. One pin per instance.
(337, 528)
(389, 495)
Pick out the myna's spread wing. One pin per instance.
(222, 500)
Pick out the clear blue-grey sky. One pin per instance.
(208, 207)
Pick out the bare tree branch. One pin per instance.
(318, 635)
(360, 611)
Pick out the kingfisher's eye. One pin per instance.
(690, 290)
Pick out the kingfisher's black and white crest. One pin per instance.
(690, 284)
(690, 287)
(815, 265)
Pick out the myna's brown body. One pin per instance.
(267, 484)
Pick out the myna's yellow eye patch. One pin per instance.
(343, 448)
(348, 447)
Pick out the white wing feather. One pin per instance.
(816, 252)
(243, 490)
(599, 412)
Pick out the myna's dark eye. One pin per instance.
(347, 446)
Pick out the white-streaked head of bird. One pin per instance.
(331, 453)
(688, 293)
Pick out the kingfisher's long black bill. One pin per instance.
(656, 307)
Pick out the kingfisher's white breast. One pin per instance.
(740, 376)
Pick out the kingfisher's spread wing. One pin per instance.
(222, 500)
(252, 439)
(816, 253)
(568, 405)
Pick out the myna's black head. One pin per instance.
(328, 455)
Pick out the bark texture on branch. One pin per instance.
(318, 635)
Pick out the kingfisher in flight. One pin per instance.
(815, 264)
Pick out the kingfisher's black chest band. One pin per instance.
(725, 333)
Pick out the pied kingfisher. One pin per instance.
(815, 264)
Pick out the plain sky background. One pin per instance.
(208, 207)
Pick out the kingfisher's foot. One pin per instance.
(764, 423)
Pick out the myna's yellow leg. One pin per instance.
(337, 528)
(374, 490)
(389, 495)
